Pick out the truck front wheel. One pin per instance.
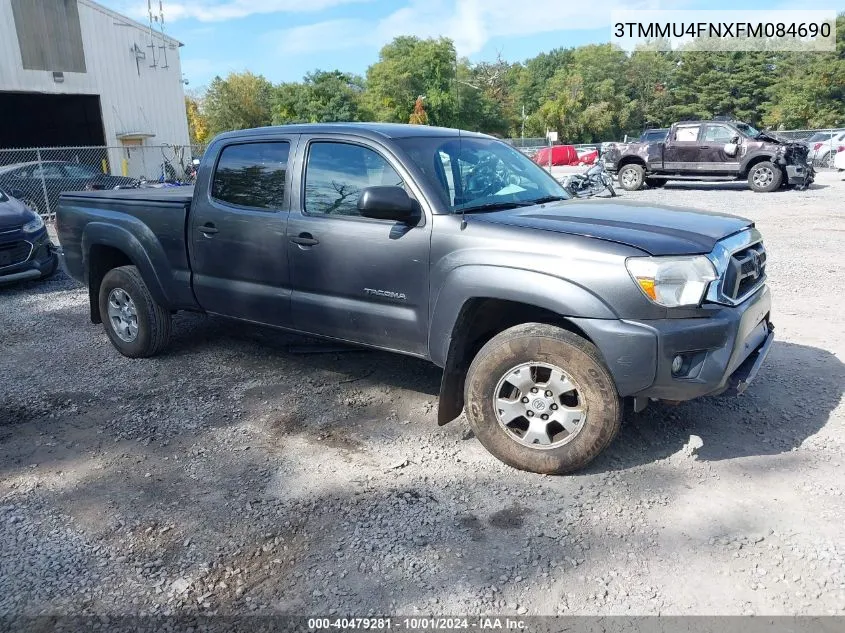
(631, 177)
(540, 399)
(136, 325)
(765, 177)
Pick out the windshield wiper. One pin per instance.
(510, 204)
(492, 206)
(546, 199)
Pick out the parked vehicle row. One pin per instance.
(39, 183)
(823, 147)
(546, 313)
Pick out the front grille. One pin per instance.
(14, 253)
(745, 272)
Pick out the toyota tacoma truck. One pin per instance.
(549, 315)
(712, 151)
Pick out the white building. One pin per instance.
(74, 73)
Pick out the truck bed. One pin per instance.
(147, 225)
(181, 195)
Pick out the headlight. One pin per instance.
(35, 224)
(672, 281)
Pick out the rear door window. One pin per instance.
(252, 175)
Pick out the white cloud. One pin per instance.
(469, 23)
(322, 36)
(219, 10)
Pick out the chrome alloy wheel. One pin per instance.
(539, 405)
(763, 176)
(122, 315)
(630, 178)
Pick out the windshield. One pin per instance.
(747, 129)
(471, 173)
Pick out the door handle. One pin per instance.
(305, 239)
(207, 229)
(703, 147)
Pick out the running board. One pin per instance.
(709, 178)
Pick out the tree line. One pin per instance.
(586, 94)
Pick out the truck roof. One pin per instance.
(370, 130)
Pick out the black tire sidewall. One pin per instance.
(637, 169)
(570, 353)
(122, 278)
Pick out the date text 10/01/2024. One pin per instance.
(416, 624)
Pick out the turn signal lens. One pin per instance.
(647, 286)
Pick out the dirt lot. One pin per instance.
(232, 475)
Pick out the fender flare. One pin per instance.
(471, 282)
(147, 259)
(509, 284)
(752, 157)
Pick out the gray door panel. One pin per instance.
(237, 232)
(355, 278)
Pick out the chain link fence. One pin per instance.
(37, 176)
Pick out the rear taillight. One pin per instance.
(817, 145)
(841, 148)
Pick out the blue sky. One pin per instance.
(284, 39)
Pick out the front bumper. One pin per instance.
(800, 175)
(725, 351)
(40, 260)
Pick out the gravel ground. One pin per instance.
(230, 475)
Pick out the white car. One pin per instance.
(839, 159)
(823, 150)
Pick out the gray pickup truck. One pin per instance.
(549, 316)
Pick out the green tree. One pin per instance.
(585, 101)
(409, 67)
(648, 76)
(809, 90)
(198, 129)
(713, 83)
(241, 100)
(322, 97)
(531, 79)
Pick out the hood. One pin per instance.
(657, 230)
(13, 213)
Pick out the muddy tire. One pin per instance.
(136, 325)
(540, 399)
(765, 177)
(631, 177)
(655, 183)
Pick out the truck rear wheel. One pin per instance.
(540, 399)
(136, 325)
(631, 177)
(765, 177)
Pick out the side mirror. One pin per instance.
(16, 193)
(730, 148)
(388, 203)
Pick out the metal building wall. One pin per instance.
(133, 98)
